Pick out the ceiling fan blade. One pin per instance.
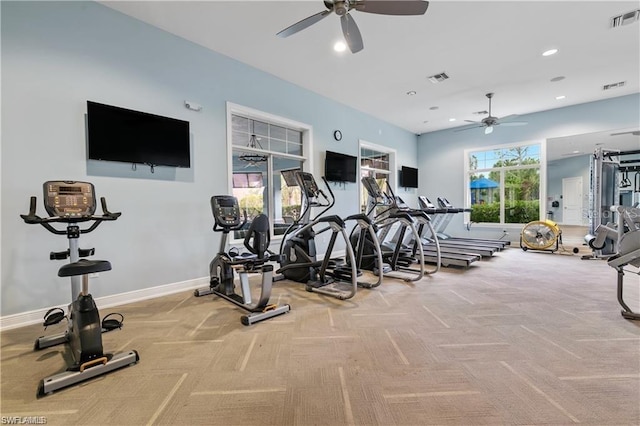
(633, 132)
(467, 128)
(392, 7)
(305, 23)
(512, 123)
(471, 121)
(351, 33)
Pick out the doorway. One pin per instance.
(572, 200)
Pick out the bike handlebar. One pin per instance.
(33, 219)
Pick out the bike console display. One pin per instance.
(69, 199)
(226, 211)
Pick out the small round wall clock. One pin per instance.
(337, 135)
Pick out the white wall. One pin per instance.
(441, 154)
(58, 55)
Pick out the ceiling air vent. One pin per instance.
(439, 78)
(613, 85)
(625, 18)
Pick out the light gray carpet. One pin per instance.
(521, 338)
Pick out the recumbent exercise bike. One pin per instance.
(226, 213)
(72, 202)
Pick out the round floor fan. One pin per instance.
(541, 235)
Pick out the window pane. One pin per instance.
(294, 148)
(485, 197)
(370, 158)
(294, 136)
(277, 132)
(522, 195)
(287, 200)
(260, 128)
(248, 188)
(277, 146)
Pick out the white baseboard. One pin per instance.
(33, 317)
(9, 322)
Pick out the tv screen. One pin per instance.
(119, 134)
(409, 177)
(340, 167)
(247, 180)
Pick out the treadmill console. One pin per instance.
(226, 211)
(69, 199)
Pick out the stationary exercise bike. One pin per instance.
(226, 213)
(71, 203)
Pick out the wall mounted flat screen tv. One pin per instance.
(409, 177)
(119, 134)
(340, 167)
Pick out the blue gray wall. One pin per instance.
(58, 55)
(446, 147)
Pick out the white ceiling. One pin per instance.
(483, 47)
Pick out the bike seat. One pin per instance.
(83, 267)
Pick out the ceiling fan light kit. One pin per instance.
(350, 29)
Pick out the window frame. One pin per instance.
(306, 158)
(542, 167)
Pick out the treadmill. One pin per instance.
(449, 256)
(445, 219)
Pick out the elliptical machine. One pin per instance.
(383, 210)
(226, 213)
(72, 202)
(298, 260)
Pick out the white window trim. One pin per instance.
(254, 114)
(543, 177)
(393, 154)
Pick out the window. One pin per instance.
(375, 161)
(262, 146)
(503, 184)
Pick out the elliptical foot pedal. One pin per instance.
(53, 316)
(109, 324)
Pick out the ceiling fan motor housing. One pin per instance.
(341, 7)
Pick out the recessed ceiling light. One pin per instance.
(452, 119)
(559, 78)
(560, 97)
(550, 52)
(340, 46)
(411, 92)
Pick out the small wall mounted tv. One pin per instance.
(125, 135)
(340, 167)
(409, 177)
(247, 180)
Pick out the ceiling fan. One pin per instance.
(489, 122)
(349, 27)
